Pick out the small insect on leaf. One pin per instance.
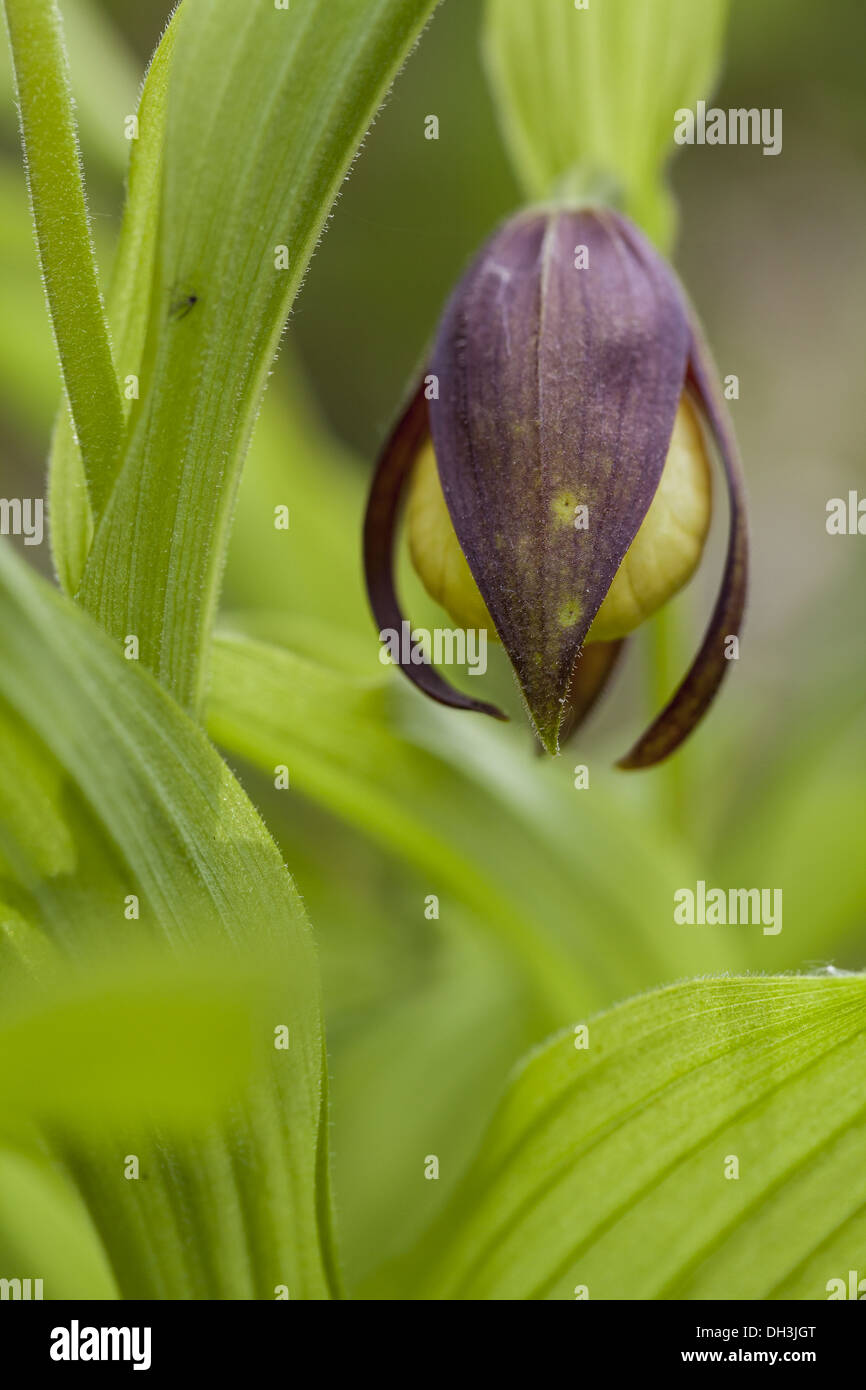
(181, 306)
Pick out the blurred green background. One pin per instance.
(769, 792)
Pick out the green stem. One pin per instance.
(63, 237)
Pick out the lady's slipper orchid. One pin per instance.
(559, 489)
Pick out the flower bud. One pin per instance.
(660, 560)
(566, 495)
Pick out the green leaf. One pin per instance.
(31, 790)
(594, 1148)
(471, 808)
(126, 1043)
(190, 845)
(128, 307)
(63, 237)
(586, 97)
(272, 106)
(45, 1232)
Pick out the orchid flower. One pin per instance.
(555, 461)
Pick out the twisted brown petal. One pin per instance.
(380, 531)
(698, 690)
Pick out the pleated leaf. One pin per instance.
(155, 813)
(266, 110)
(706, 1142)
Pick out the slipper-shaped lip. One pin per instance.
(698, 690)
(393, 471)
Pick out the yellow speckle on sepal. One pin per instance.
(569, 613)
